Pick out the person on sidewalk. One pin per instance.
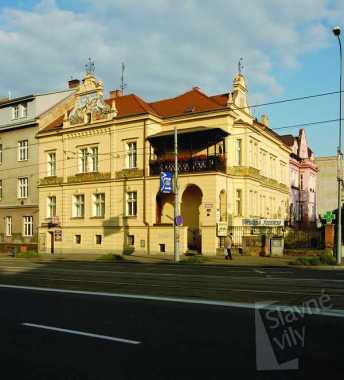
(228, 246)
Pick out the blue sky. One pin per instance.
(171, 45)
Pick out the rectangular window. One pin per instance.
(51, 206)
(23, 184)
(15, 112)
(23, 110)
(79, 206)
(28, 225)
(8, 225)
(23, 150)
(83, 160)
(238, 152)
(77, 239)
(131, 240)
(99, 205)
(132, 203)
(238, 202)
(51, 164)
(0, 153)
(301, 181)
(94, 159)
(131, 155)
(99, 239)
(0, 189)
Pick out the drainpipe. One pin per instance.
(144, 187)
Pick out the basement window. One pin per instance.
(77, 239)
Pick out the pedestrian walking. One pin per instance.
(228, 246)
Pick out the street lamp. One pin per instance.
(336, 31)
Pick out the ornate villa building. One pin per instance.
(303, 181)
(99, 186)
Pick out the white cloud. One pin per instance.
(168, 45)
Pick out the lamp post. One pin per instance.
(176, 198)
(336, 31)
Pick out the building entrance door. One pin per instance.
(51, 243)
(190, 209)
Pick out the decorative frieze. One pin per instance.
(46, 181)
(89, 177)
(129, 173)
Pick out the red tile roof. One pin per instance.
(288, 139)
(190, 102)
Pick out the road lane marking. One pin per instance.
(242, 305)
(83, 333)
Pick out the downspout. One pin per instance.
(144, 187)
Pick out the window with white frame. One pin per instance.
(78, 206)
(23, 110)
(0, 153)
(51, 164)
(15, 112)
(88, 159)
(94, 158)
(131, 203)
(8, 225)
(27, 225)
(238, 202)
(83, 160)
(99, 204)
(23, 185)
(51, 206)
(238, 152)
(131, 155)
(23, 150)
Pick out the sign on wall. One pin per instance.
(58, 235)
(222, 228)
(166, 182)
(263, 222)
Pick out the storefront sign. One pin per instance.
(222, 229)
(58, 235)
(166, 182)
(263, 222)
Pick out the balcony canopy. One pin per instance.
(200, 131)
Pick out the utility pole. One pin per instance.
(176, 198)
(336, 31)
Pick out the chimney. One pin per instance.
(73, 83)
(265, 119)
(116, 94)
(196, 88)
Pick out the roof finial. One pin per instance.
(123, 84)
(240, 65)
(90, 66)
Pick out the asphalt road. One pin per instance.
(71, 335)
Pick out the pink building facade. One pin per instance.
(303, 179)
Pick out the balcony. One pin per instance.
(195, 164)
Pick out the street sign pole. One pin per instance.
(176, 200)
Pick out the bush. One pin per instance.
(327, 259)
(28, 254)
(193, 260)
(111, 257)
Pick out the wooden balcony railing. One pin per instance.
(189, 165)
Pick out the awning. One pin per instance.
(199, 130)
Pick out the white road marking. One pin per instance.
(242, 305)
(83, 333)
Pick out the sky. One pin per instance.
(169, 46)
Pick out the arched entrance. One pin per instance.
(164, 208)
(190, 209)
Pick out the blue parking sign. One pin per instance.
(166, 182)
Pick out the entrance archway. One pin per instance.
(164, 208)
(190, 209)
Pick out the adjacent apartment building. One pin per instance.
(99, 187)
(303, 181)
(19, 169)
